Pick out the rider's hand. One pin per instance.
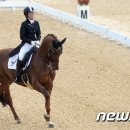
(33, 43)
(37, 42)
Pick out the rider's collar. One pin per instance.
(31, 21)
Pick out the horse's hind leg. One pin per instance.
(3, 99)
(10, 103)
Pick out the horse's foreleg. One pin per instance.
(47, 116)
(47, 106)
(10, 103)
(40, 88)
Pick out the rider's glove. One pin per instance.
(33, 43)
(37, 42)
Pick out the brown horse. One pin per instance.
(41, 73)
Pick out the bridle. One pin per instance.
(53, 51)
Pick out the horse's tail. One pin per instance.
(3, 99)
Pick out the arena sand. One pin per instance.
(94, 76)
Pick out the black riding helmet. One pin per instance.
(28, 10)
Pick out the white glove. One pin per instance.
(33, 43)
(37, 42)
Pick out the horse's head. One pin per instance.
(54, 49)
(55, 52)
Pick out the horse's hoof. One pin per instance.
(47, 118)
(18, 121)
(51, 124)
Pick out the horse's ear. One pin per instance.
(63, 41)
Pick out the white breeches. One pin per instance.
(24, 49)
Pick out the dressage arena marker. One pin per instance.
(103, 31)
(83, 12)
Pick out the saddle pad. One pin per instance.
(12, 62)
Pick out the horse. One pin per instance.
(41, 73)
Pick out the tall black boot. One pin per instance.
(18, 71)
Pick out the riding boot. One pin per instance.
(18, 71)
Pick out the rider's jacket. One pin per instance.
(30, 31)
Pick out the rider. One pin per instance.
(30, 35)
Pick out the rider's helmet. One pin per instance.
(27, 10)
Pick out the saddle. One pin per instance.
(12, 63)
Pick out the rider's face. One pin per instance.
(31, 15)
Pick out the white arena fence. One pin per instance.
(70, 19)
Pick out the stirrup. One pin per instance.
(17, 79)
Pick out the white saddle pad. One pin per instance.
(12, 62)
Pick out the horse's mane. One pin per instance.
(52, 35)
(47, 40)
(49, 37)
